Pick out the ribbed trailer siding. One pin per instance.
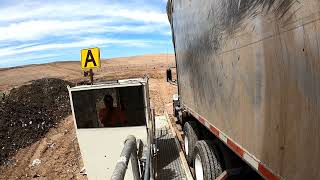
(251, 69)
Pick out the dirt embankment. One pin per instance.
(29, 112)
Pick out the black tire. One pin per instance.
(191, 136)
(210, 160)
(175, 113)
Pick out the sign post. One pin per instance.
(90, 59)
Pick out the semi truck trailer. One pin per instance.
(248, 77)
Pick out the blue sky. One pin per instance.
(33, 32)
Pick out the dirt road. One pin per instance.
(58, 152)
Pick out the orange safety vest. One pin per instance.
(110, 118)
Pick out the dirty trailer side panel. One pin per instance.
(252, 69)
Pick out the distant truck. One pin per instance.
(248, 75)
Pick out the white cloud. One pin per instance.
(71, 9)
(39, 27)
(33, 21)
(36, 29)
(89, 42)
(26, 57)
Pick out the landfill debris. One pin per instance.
(28, 112)
(83, 171)
(36, 162)
(9, 162)
(36, 176)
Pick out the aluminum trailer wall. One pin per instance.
(251, 70)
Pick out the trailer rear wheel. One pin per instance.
(206, 164)
(191, 136)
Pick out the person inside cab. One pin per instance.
(110, 116)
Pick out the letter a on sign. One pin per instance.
(90, 58)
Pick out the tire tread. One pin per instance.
(190, 130)
(210, 160)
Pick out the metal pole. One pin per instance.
(148, 173)
(91, 76)
(134, 161)
(129, 150)
(147, 168)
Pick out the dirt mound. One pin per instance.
(29, 112)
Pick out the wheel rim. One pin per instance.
(198, 168)
(186, 145)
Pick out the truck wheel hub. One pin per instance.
(186, 145)
(198, 168)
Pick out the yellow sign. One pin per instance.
(90, 58)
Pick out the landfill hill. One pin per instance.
(35, 113)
